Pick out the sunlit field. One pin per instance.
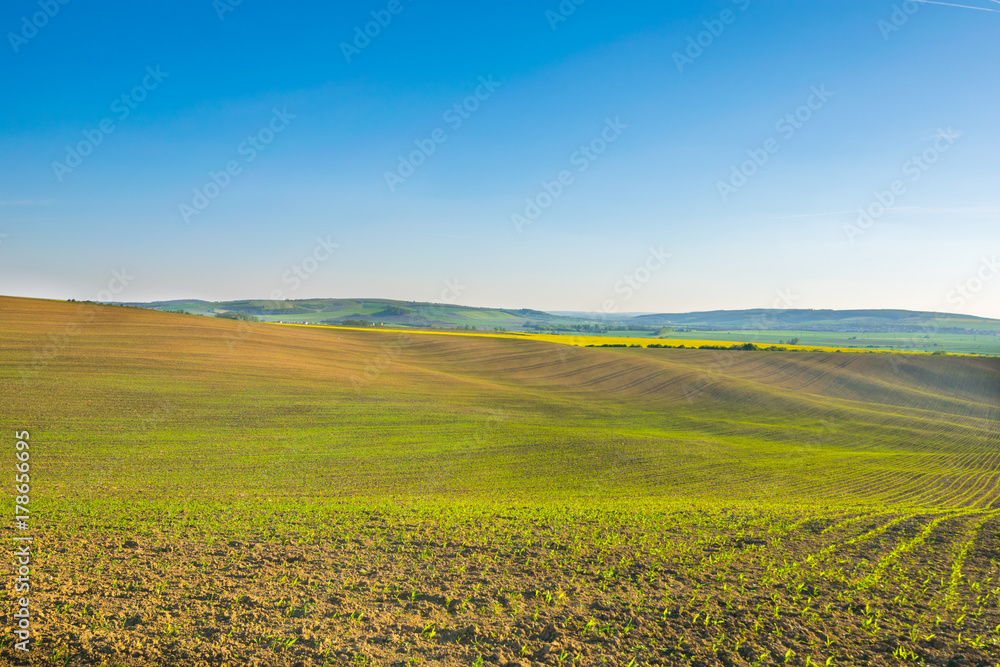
(236, 493)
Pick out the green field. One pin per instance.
(876, 330)
(205, 489)
(981, 344)
(916, 342)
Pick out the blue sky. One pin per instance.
(741, 138)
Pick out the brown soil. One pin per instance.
(406, 589)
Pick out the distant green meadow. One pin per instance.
(916, 342)
(927, 334)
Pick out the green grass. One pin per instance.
(141, 404)
(920, 342)
(660, 504)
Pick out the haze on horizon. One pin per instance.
(725, 154)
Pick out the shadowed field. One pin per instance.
(506, 500)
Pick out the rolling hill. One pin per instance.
(235, 492)
(871, 329)
(137, 401)
(388, 311)
(905, 321)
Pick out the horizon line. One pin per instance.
(629, 314)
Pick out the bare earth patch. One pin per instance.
(721, 587)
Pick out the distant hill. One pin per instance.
(895, 321)
(379, 311)
(451, 316)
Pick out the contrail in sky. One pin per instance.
(948, 4)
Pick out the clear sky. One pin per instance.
(505, 153)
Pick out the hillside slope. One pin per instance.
(128, 401)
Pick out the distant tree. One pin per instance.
(236, 316)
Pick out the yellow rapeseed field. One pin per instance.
(583, 341)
